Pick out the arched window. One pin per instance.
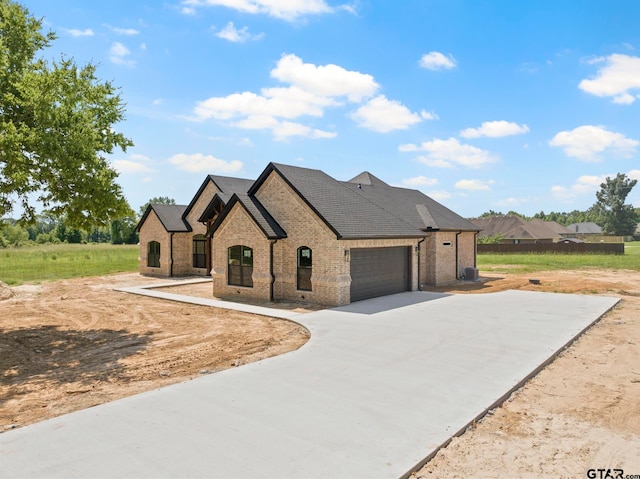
(153, 254)
(199, 251)
(240, 266)
(305, 265)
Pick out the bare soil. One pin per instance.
(68, 345)
(73, 344)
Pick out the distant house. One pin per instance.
(585, 228)
(516, 230)
(297, 233)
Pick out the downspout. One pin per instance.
(418, 251)
(475, 249)
(273, 276)
(457, 256)
(171, 255)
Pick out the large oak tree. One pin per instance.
(56, 128)
(616, 217)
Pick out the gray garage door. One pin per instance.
(379, 271)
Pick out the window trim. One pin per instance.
(304, 272)
(242, 270)
(199, 258)
(153, 257)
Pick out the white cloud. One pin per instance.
(585, 184)
(311, 90)
(587, 143)
(324, 80)
(437, 61)
(619, 75)
(74, 32)
(449, 153)
(120, 54)
(123, 31)
(475, 185)
(232, 34)
(289, 10)
(420, 181)
(157, 101)
(634, 174)
(383, 115)
(135, 164)
(439, 195)
(198, 163)
(495, 129)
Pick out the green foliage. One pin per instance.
(495, 239)
(53, 262)
(13, 235)
(570, 218)
(531, 263)
(616, 217)
(157, 200)
(123, 231)
(55, 128)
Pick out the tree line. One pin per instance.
(610, 211)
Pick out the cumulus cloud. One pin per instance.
(586, 184)
(289, 10)
(449, 153)
(324, 80)
(437, 61)
(74, 32)
(310, 91)
(198, 163)
(119, 54)
(588, 142)
(420, 181)
(495, 129)
(232, 34)
(617, 78)
(439, 195)
(383, 115)
(135, 164)
(475, 185)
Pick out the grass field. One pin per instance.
(53, 262)
(529, 263)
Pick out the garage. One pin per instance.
(379, 271)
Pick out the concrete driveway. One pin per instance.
(378, 388)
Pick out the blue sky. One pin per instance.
(503, 105)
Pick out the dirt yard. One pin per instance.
(73, 344)
(69, 345)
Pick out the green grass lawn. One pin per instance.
(529, 263)
(53, 262)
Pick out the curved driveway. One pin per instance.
(380, 385)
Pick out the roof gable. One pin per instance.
(257, 212)
(171, 217)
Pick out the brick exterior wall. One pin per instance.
(240, 229)
(439, 259)
(153, 230)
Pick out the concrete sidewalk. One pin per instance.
(379, 387)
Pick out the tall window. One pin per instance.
(199, 251)
(240, 266)
(153, 254)
(305, 264)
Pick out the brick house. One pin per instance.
(299, 234)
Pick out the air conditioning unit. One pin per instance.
(471, 274)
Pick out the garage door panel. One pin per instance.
(379, 271)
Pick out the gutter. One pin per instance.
(475, 249)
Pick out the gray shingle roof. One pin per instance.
(171, 217)
(260, 215)
(413, 206)
(348, 213)
(585, 228)
(514, 227)
(229, 185)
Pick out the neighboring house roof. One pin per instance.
(372, 210)
(258, 213)
(171, 217)
(570, 240)
(588, 228)
(514, 227)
